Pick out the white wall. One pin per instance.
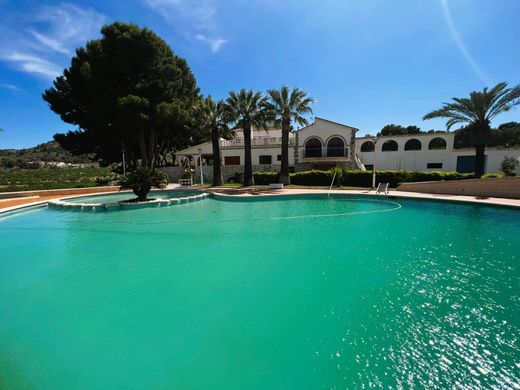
(256, 152)
(407, 159)
(418, 160)
(493, 159)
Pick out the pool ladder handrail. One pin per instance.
(331, 184)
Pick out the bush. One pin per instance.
(492, 176)
(265, 178)
(364, 178)
(336, 175)
(142, 180)
(508, 165)
(236, 178)
(312, 178)
(354, 178)
(187, 174)
(357, 178)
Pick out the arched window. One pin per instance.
(313, 148)
(390, 146)
(335, 147)
(412, 144)
(437, 144)
(368, 146)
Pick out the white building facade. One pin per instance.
(325, 144)
(426, 152)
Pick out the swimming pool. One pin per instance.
(292, 292)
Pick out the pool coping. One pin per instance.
(501, 202)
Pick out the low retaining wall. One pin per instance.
(66, 191)
(508, 187)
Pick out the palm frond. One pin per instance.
(289, 105)
(508, 99)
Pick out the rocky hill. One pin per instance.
(47, 154)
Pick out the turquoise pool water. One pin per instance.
(117, 197)
(305, 292)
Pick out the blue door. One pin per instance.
(466, 164)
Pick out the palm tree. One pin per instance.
(477, 111)
(287, 106)
(213, 121)
(247, 109)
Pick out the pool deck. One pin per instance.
(22, 202)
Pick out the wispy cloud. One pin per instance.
(33, 64)
(10, 87)
(42, 43)
(48, 42)
(196, 18)
(461, 45)
(215, 44)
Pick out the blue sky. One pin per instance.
(368, 63)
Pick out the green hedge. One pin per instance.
(364, 178)
(312, 178)
(359, 178)
(493, 176)
(265, 178)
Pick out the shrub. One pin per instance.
(492, 175)
(266, 178)
(508, 165)
(236, 178)
(187, 174)
(354, 178)
(312, 178)
(357, 178)
(142, 180)
(337, 175)
(364, 178)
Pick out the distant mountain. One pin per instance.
(48, 153)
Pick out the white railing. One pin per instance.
(359, 163)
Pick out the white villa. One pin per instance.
(325, 144)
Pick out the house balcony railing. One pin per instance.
(326, 159)
(257, 141)
(331, 153)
